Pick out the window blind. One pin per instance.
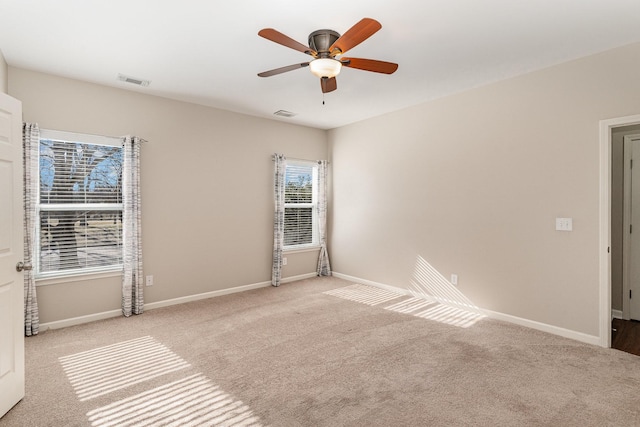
(80, 205)
(300, 204)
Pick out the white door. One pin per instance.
(631, 263)
(11, 252)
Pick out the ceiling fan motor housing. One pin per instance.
(321, 41)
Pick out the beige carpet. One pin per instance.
(321, 352)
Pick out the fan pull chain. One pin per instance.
(322, 98)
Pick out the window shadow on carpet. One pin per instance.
(448, 307)
(190, 401)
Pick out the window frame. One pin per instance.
(73, 138)
(315, 239)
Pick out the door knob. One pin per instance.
(24, 266)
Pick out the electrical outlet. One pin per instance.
(149, 280)
(454, 279)
(284, 261)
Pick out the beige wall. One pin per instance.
(617, 211)
(207, 179)
(471, 184)
(4, 75)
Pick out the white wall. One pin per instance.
(207, 179)
(471, 184)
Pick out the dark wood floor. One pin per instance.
(625, 335)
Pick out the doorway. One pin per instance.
(611, 251)
(630, 295)
(625, 238)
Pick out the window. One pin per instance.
(79, 207)
(300, 205)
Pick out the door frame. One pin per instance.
(606, 127)
(626, 239)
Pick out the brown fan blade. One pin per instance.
(355, 35)
(328, 84)
(282, 69)
(277, 37)
(370, 65)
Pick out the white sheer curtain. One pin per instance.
(31, 147)
(132, 279)
(324, 268)
(278, 218)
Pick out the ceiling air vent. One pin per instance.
(284, 113)
(133, 81)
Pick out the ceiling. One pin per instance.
(208, 52)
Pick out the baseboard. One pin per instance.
(578, 336)
(556, 330)
(544, 327)
(227, 291)
(73, 321)
(166, 303)
(205, 295)
(616, 314)
(298, 277)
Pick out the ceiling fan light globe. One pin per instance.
(325, 67)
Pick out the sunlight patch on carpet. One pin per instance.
(104, 370)
(364, 294)
(433, 310)
(191, 401)
(423, 306)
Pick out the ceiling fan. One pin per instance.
(327, 47)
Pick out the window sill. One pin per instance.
(302, 249)
(79, 277)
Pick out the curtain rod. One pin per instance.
(142, 140)
(273, 158)
(78, 135)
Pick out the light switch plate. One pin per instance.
(564, 224)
